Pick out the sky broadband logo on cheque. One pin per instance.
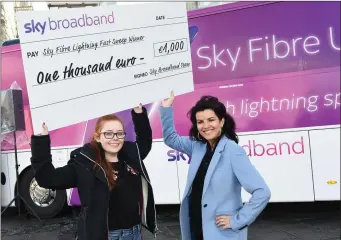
(84, 20)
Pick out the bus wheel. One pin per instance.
(46, 203)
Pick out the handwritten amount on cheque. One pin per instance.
(71, 71)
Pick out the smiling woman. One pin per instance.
(107, 171)
(216, 158)
(109, 135)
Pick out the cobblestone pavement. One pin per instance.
(285, 221)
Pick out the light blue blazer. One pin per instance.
(230, 170)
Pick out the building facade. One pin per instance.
(70, 4)
(3, 24)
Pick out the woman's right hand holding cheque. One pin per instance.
(168, 101)
(45, 130)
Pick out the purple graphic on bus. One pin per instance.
(275, 66)
(193, 31)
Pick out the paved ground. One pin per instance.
(308, 221)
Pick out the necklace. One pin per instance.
(115, 173)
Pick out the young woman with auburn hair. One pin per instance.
(114, 188)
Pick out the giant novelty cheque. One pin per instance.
(87, 62)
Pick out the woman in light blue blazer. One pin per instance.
(212, 207)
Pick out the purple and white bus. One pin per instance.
(276, 66)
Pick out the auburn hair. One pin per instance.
(99, 151)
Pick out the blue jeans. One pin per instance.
(133, 233)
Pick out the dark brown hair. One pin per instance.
(212, 103)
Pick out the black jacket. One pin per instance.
(92, 184)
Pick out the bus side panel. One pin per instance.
(59, 159)
(283, 159)
(325, 154)
(23, 161)
(161, 164)
(5, 181)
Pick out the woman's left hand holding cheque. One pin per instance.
(45, 130)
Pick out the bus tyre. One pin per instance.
(46, 203)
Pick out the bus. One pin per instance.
(276, 66)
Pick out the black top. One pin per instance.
(124, 209)
(195, 204)
(92, 184)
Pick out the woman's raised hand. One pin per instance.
(138, 109)
(45, 130)
(169, 101)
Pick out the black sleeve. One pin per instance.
(46, 174)
(143, 132)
